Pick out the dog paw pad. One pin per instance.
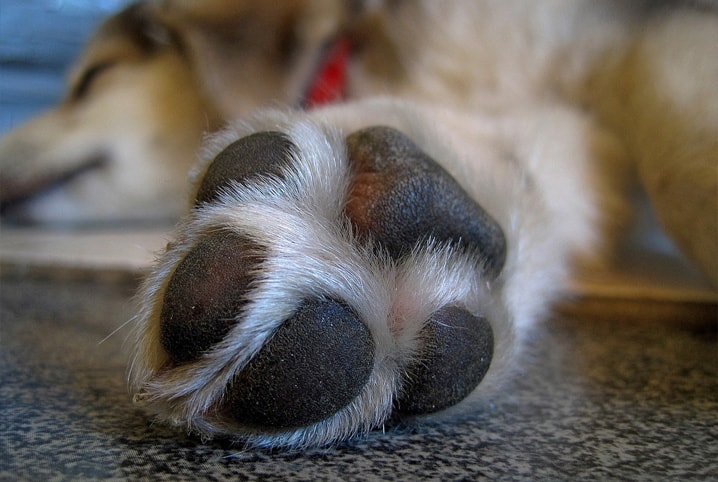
(314, 365)
(401, 196)
(260, 153)
(458, 348)
(205, 293)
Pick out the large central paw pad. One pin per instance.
(304, 302)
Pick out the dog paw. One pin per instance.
(321, 284)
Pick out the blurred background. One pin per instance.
(39, 40)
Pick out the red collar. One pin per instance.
(329, 83)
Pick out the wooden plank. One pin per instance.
(106, 254)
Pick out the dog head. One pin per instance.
(152, 81)
(132, 112)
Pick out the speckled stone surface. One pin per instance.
(594, 400)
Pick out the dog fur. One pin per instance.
(549, 114)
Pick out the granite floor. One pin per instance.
(610, 399)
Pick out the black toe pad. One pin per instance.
(205, 294)
(458, 348)
(401, 196)
(260, 153)
(315, 364)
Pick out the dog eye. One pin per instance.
(87, 78)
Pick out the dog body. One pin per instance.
(480, 150)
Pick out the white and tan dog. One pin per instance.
(384, 255)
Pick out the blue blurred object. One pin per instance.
(39, 40)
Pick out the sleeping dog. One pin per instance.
(399, 192)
